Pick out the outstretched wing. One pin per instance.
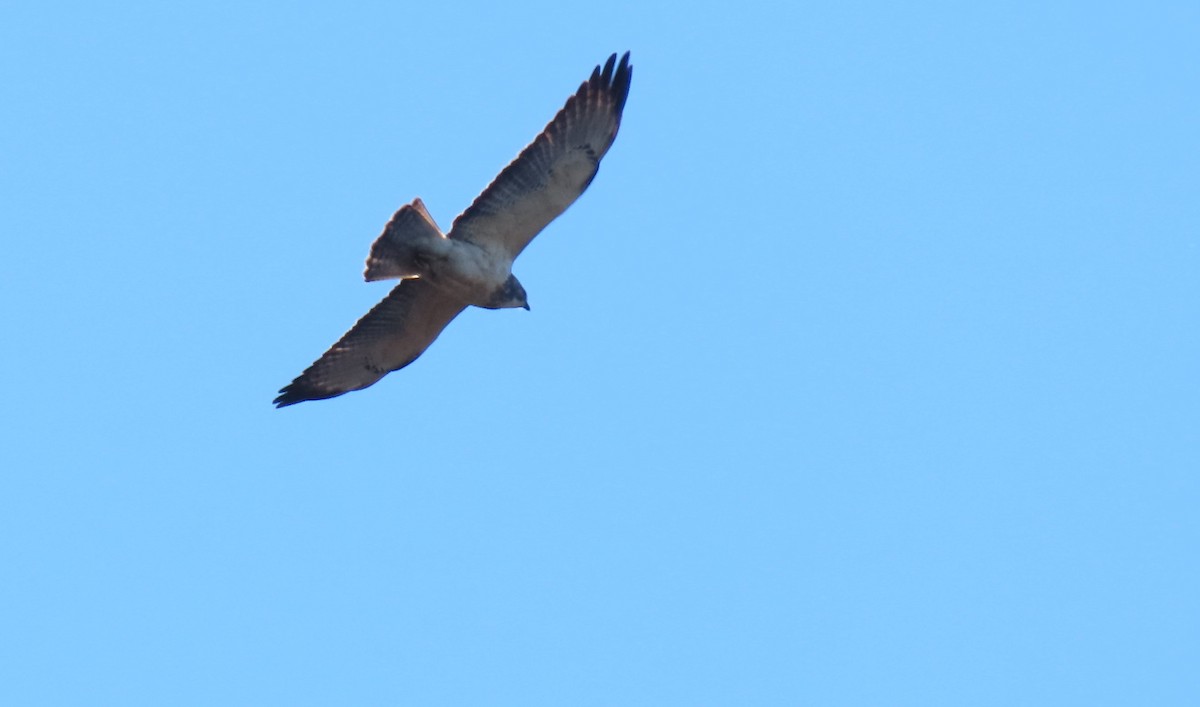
(554, 169)
(389, 337)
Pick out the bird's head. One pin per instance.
(510, 294)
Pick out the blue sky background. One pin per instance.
(866, 372)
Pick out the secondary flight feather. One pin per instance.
(442, 274)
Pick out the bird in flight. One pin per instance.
(441, 274)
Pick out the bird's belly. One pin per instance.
(468, 274)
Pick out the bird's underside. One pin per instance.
(442, 274)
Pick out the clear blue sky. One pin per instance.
(867, 372)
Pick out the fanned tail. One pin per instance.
(397, 251)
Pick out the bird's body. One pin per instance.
(442, 274)
(474, 275)
(412, 246)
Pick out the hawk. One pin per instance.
(442, 274)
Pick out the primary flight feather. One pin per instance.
(441, 274)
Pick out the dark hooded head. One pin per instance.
(510, 294)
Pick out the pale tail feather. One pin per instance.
(394, 253)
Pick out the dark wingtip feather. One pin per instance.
(288, 396)
(606, 75)
(614, 78)
(297, 392)
(621, 81)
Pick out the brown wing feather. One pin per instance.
(554, 169)
(389, 337)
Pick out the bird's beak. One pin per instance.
(526, 306)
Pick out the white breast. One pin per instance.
(468, 272)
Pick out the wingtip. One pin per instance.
(611, 69)
(289, 395)
(284, 400)
(295, 393)
(621, 82)
(606, 74)
(612, 76)
(302, 389)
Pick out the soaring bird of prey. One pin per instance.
(441, 274)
